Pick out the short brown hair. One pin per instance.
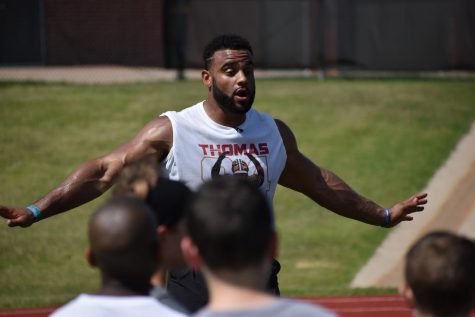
(440, 270)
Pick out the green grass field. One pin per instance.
(385, 138)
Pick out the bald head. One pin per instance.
(123, 240)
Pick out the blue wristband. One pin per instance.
(388, 217)
(35, 210)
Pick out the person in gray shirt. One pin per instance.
(123, 245)
(229, 236)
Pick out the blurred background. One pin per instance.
(407, 35)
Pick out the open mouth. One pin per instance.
(241, 94)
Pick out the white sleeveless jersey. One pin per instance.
(203, 149)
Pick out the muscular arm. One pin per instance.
(94, 177)
(331, 192)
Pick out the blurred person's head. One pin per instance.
(137, 179)
(440, 275)
(167, 200)
(229, 233)
(123, 244)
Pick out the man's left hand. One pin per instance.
(402, 211)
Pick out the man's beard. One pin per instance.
(227, 103)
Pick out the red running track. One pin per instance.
(350, 306)
(367, 306)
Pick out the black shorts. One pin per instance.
(188, 287)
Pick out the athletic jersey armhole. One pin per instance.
(169, 159)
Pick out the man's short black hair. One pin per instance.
(167, 200)
(440, 270)
(230, 222)
(222, 42)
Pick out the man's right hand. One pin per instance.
(17, 216)
(92, 178)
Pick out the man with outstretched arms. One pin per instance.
(227, 113)
(189, 143)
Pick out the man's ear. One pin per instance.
(206, 78)
(191, 253)
(406, 292)
(90, 258)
